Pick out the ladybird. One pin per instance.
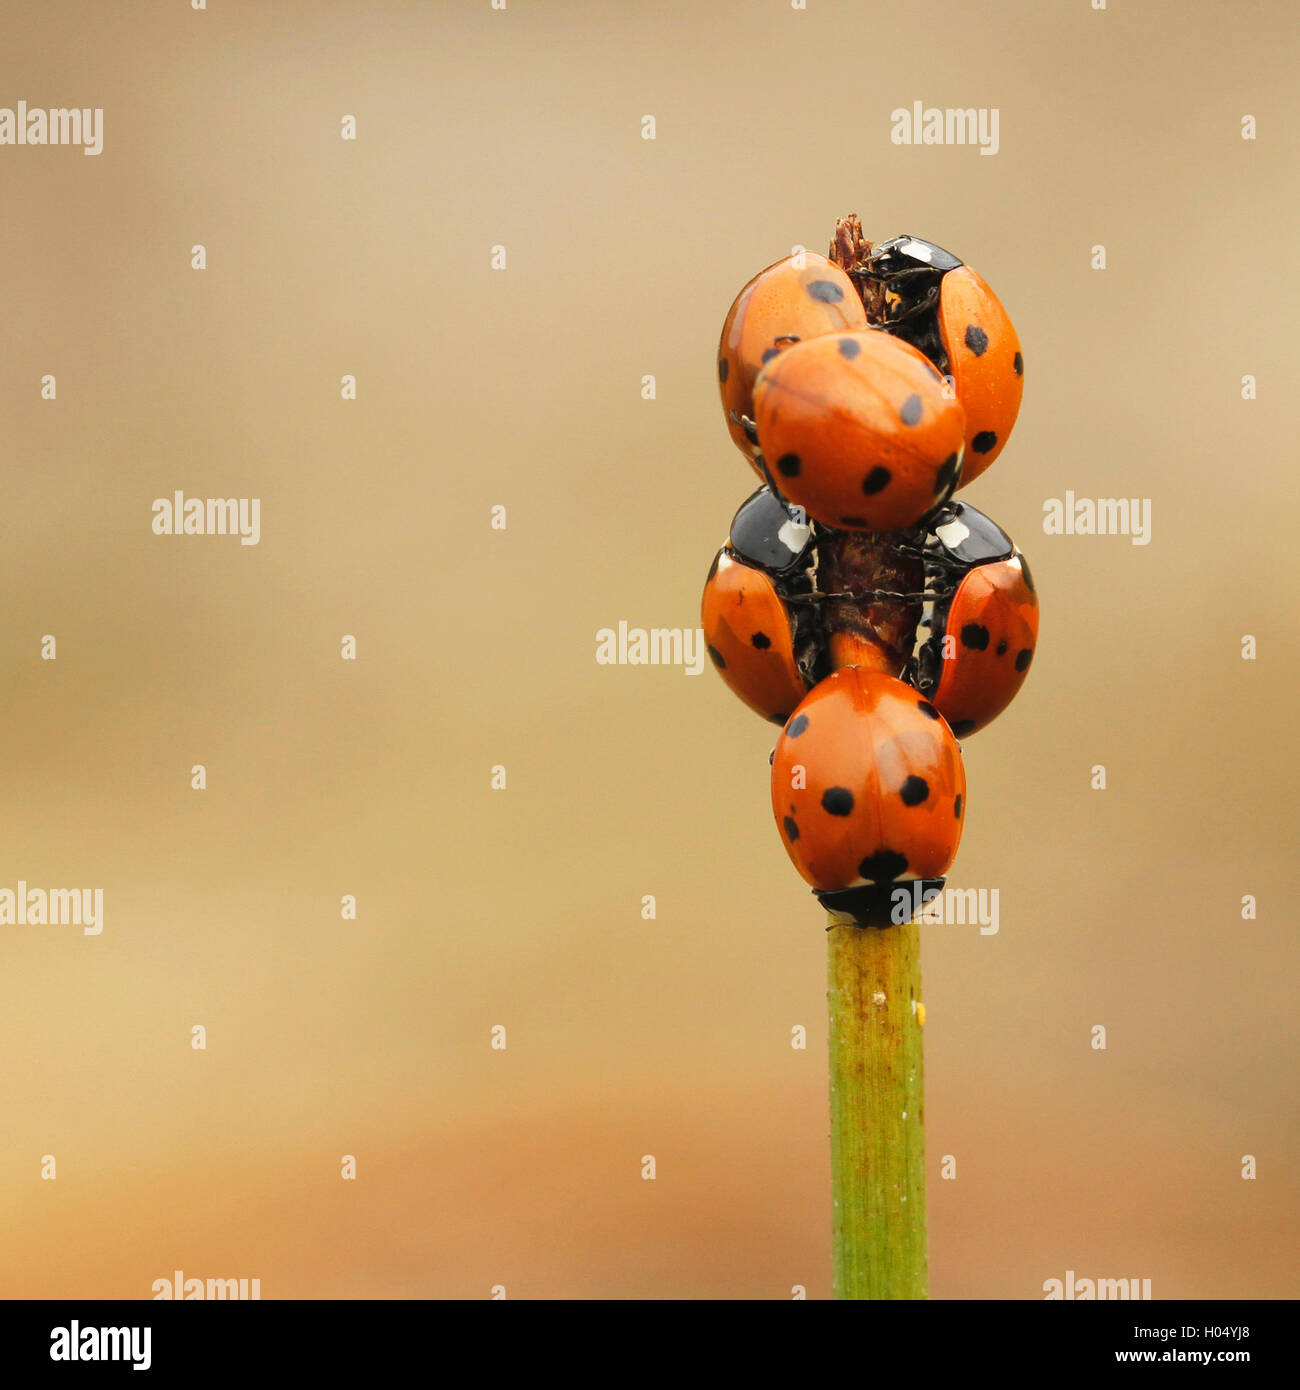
(799, 297)
(868, 791)
(946, 309)
(764, 648)
(977, 631)
(859, 431)
(771, 534)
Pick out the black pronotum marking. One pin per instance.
(838, 801)
(911, 411)
(914, 791)
(883, 866)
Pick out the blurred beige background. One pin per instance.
(523, 907)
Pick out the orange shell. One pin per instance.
(867, 784)
(799, 297)
(860, 430)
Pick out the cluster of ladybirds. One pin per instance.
(855, 604)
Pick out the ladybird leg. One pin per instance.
(746, 424)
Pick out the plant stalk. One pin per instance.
(877, 1112)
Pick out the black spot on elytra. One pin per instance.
(984, 441)
(1002, 647)
(977, 340)
(1018, 365)
(770, 354)
(825, 291)
(1023, 657)
(963, 727)
(761, 640)
(837, 801)
(884, 866)
(945, 480)
(975, 635)
(911, 411)
(797, 725)
(956, 808)
(849, 348)
(855, 521)
(791, 829)
(788, 465)
(723, 369)
(914, 791)
(715, 656)
(876, 481)
(927, 709)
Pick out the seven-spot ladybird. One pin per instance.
(771, 534)
(763, 648)
(868, 790)
(858, 430)
(976, 635)
(799, 297)
(943, 307)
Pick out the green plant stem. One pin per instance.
(877, 1112)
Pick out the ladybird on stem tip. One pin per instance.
(868, 790)
(858, 429)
